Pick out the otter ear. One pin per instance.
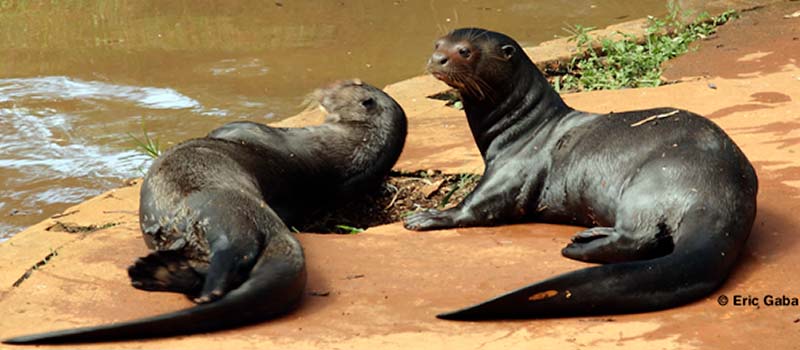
(508, 50)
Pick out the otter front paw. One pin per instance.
(430, 219)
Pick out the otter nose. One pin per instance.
(439, 58)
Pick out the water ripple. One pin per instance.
(6, 231)
(54, 88)
(29, 145)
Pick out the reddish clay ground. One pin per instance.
(383, 286)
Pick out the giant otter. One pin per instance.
(669, 197)
(215, 211)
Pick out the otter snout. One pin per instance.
(452, 56)
(438, 59)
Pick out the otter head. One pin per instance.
(477, 62)
(355, 101)
(372, 127)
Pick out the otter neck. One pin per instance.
(372, 152)
(524, 107)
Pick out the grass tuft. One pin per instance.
(146, 145)
(631, 62)
(349, 229)
(463, 181)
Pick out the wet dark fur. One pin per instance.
(215, 211)
(670, 197)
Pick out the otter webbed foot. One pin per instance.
(430, 219)
(597, 244)
(165, 271)
(608, 245)
(227, 269)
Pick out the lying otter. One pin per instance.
(670, 197)
(215, 212)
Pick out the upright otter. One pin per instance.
(671, 197)
(215, 211)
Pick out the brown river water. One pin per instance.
(77, 77)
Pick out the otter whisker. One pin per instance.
(475, 87)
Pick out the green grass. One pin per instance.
(146, 144)
(349, 229)
(452, 98)
(632, 62)
(463, 181)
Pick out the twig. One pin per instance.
(652, 118)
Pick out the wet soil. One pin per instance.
(403, 193)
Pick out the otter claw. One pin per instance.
(214, 295)
(428, 220)
(590, 234)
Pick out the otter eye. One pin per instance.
(464, 52)
(508, 51)
(368, 103)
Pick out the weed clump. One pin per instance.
(146, 145)
(630, 61)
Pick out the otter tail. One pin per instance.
(274, 286)
(697, 266)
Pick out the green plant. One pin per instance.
(463, 181)
(452, 97)
(146, 145)
(630, 61)
(407, 213)
(349, 229)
